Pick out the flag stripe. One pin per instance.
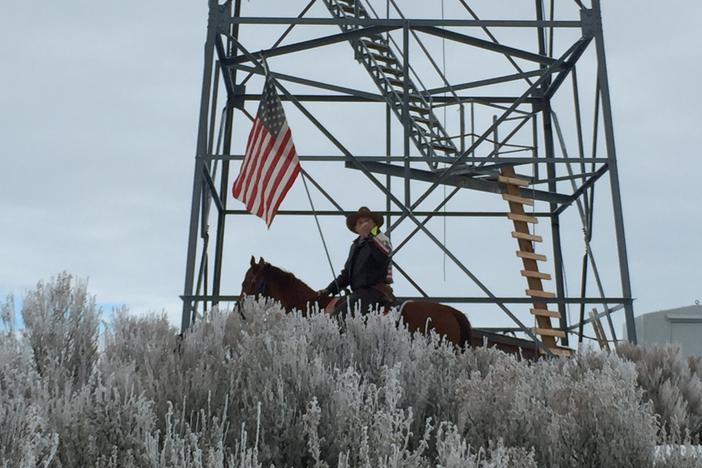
(253, 136)
(252, 157)
(286, 181)
(262, 182)
(273, 198)
(273, 179)
(260, 156)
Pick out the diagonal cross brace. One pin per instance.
(483, 44)
(313, 43)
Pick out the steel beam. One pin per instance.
(614, 171)
(488, 82)
(215, 12)
(213, 190)
(398, 23)
(480, 185)
(583, 188)
(486, 45)
(501, 300)
(315, 84)
(224, 178)
(313, 43)
(341, 98)
(341, 158)
(449, 214)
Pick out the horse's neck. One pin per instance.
(296, 294)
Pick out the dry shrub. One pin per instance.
(284, 390)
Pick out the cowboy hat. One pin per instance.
(363, 212)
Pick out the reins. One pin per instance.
(263, 285)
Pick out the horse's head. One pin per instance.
(264, 279)
(254, 280)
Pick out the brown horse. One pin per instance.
(266, 280)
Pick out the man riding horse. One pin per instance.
(368, 268)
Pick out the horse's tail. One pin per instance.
(465, 328)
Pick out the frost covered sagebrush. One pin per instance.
(26, 439)
(284, 390)
(672, 382)
(61, 325)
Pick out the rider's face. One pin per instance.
(363, 226)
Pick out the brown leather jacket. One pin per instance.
(367, 266)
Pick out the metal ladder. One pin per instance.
(530, 259)
(387, 71)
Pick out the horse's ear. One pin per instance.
(253, 261)
(261, 261)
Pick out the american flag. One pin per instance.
(270, 163)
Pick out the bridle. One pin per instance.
(262, 286)
(261, 289)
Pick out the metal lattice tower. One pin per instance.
(483, 159)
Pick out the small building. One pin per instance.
(681, 326)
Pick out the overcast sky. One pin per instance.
(98, 117)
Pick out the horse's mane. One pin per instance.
(286, 279)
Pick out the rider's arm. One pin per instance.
(340, 282)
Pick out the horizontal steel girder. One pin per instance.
(313, 43)
(399, 23)
(379, 99)
(460, 181)
(487, 45)
(457, 300)
(438, 214)
(342, 158)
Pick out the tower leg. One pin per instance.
(199, 166)
(614, 174)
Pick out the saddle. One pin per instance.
(388, 300)
(330, 307)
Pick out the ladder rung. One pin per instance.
(444, 148)
(531, 256)
(351, 9)
(383, 58)
(396, 82)
(523, 218)
(428, 122)
(391, 71)
(419, 110)
(412, 97)
(517, 199)
(549, 332)
(375, 45)
(525, 236)
(543, 294)
(545, 313)
(561, 352)
(513, 181)
(535, 274)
